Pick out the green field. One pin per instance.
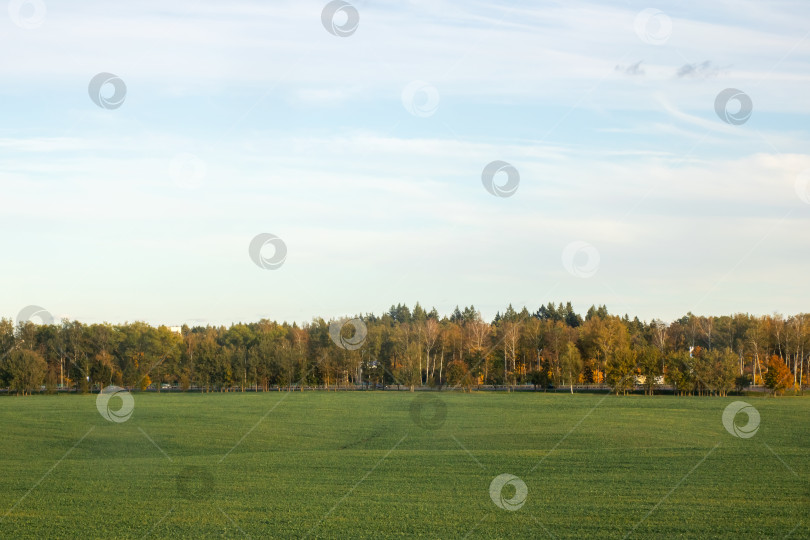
(396, 464)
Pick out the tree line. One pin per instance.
(552, 347)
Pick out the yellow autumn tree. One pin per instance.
(778, 376)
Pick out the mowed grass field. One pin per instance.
(397, 464)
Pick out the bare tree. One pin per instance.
(511, 337)
(430, 335)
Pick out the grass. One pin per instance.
(393, 465)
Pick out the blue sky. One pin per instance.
(364, 154)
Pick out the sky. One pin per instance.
(359, 136)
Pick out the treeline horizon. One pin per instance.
(553, 346)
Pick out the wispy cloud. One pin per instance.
(632, 69)
(702, 70)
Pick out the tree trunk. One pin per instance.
(441, 366)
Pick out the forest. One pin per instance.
(553, 347)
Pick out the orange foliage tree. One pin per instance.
(778, 377)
